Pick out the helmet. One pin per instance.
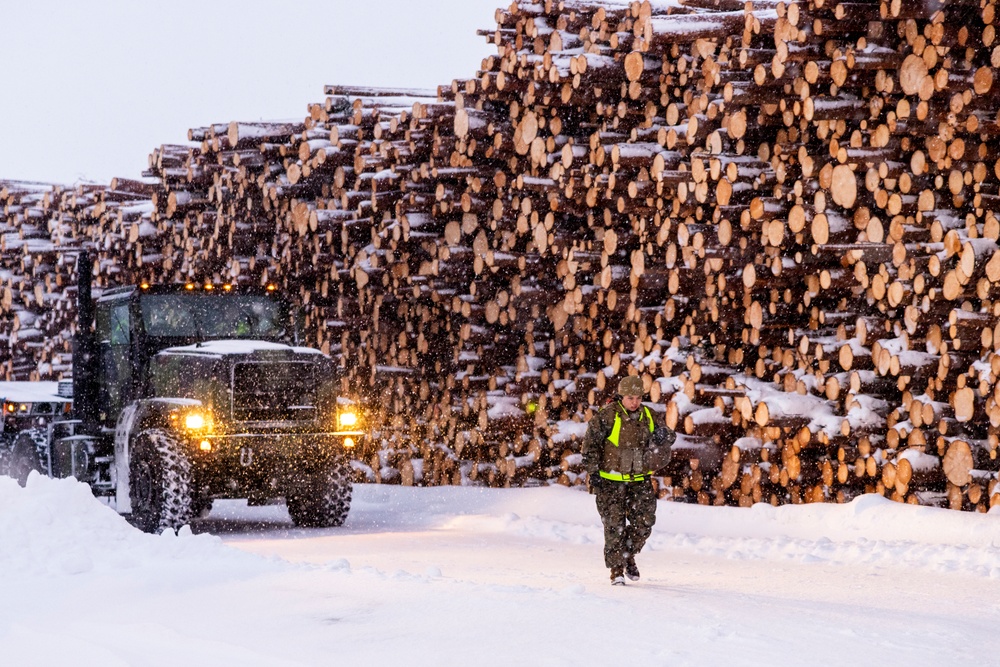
(631, 386)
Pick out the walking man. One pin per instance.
(621, 450)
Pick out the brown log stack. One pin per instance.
(782, 216)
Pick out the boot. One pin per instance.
(616, 576)
(631, 571)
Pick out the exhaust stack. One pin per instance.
(85, 349)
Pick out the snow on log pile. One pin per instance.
(782, 216)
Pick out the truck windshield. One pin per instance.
(213, 316)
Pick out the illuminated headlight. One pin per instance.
(196, 421)
(347, 419)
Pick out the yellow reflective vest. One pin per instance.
(626, 464)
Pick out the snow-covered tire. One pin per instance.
(24, 454)
(160, 486)
(323, 498)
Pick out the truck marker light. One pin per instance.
(206, 446)
(209, 287)
(348, 442)
(228, 288)
(189, 286)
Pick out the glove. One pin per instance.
(660, 448)
(663, 438)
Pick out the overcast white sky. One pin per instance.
(88, 89)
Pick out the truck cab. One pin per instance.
(134, 323)
(32, 405)
(30, 412)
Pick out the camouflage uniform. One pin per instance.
(625, 497)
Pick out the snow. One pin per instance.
(567, 429)
(31, 392)
(748, 444)
(100, 84)
(920, 461)
(503, 406)
(237, 346)
(468, 575)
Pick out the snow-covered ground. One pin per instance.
(460, 576)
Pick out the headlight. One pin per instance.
(347, 419)
(192, 420)
(195, 421)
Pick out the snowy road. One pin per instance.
(474, 576)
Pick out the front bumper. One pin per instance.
(262, 465)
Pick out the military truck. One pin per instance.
(187, 393)
(27, 409)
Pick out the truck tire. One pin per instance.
(160, 485)
(324, 498)
(24, 455)
(201, 507)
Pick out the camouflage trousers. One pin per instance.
(628, 510)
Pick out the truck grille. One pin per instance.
(273, 391)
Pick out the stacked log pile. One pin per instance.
(782, 216)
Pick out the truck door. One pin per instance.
(114, 336)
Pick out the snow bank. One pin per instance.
(57, 527)
(870, 530)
